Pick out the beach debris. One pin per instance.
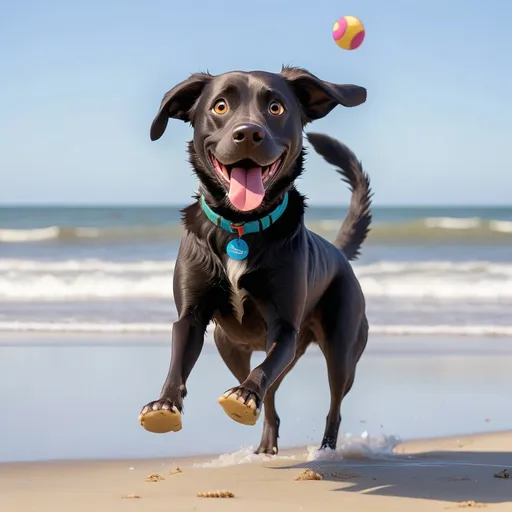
(175, 471)
(345, 476)
(502, 474)
(130, 497)
(470, 504)
(215, 494)
(155, 477)
(309, 474)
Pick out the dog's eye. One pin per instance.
(220, 107)
(276, 108)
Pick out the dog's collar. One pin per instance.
(245, 228)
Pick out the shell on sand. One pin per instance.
(130, 497)
(216, 494)
(155, 477)
(470, 504)
(309, 474)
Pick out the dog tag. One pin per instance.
(237, 249)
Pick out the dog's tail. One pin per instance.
(356, 225)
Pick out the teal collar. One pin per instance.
(246, 228)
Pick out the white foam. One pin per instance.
(439, 288)
(156, 328)
(245, 455)
(93, 279)
(459, 267)
(448, 330)
(85, 327)
(502, 226)
(350, 447)
(28, 235)
(452, 223)
(85, 286)
(28, 280)
(437, 280)
(87, 265)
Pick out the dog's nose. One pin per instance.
(249, 134)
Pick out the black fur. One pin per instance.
(295, 287)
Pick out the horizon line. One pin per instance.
(183, 205)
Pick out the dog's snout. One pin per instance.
(250, 134)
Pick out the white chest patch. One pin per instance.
(234, 270)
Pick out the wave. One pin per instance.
(431, 228)
(165, 328)
(86, 265)
(92, 286)
(439, 229)
(29, 280)
(66, 234)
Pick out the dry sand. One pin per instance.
(438, 474)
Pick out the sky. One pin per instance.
(81, 81)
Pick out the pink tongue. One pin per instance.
(246, 189)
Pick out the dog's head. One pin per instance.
(247, 146)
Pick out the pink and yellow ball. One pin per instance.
(348, 33)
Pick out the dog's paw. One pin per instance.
(328, 443)
(268, 444)
(266, 449)
(160, 417)
(241, 405)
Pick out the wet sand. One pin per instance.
(82, 396)
(435, 474)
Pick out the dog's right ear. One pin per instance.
(178, 102)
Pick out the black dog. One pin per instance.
(247, 261)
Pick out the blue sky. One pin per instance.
(81, 82)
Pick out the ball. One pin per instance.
(348, 33)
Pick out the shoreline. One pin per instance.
(136, 329)
(407, 446)
(452, 394)
(422, 475)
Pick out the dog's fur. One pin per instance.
(294, 288)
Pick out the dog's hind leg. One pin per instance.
(236, 358)
(342, 347)
(238, 361)
(270, 435)
(341, 374)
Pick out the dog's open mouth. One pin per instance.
(246, 181)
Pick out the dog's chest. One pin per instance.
(234, 271)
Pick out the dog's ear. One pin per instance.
(178, 102)
(318, 97)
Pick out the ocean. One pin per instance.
(438, 271)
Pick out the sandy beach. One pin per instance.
(95, 457)
(436, 474)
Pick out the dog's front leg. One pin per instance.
(281, 303)
(243, 403)
(164, 415)
(195, 300)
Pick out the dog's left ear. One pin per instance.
(178, 102)
(319, 97)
